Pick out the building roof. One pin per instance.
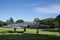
(25, 24)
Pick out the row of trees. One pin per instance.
(10, 21)
(53, 22)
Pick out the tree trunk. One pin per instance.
(37, 31)
(14, 29)
(59, 27)
(24, 29)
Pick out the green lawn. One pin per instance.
(30, 34)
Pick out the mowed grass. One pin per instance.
(30, 34)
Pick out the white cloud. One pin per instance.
(49, 9)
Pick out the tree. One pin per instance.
(20, 21)
(50, 21)
(58, 19)
(5, 23)
(11, 21)
(8, 21)
(1, 23)
(37, 20)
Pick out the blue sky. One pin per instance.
(29, 9)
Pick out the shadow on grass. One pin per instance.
(12, 32)
(27, 36)
(16, 32)
(51, 30)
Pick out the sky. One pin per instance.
(29, 9)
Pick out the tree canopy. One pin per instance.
(11, 21)
(53, 22)
(58, 19)
(36, 20)
(20, 21)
